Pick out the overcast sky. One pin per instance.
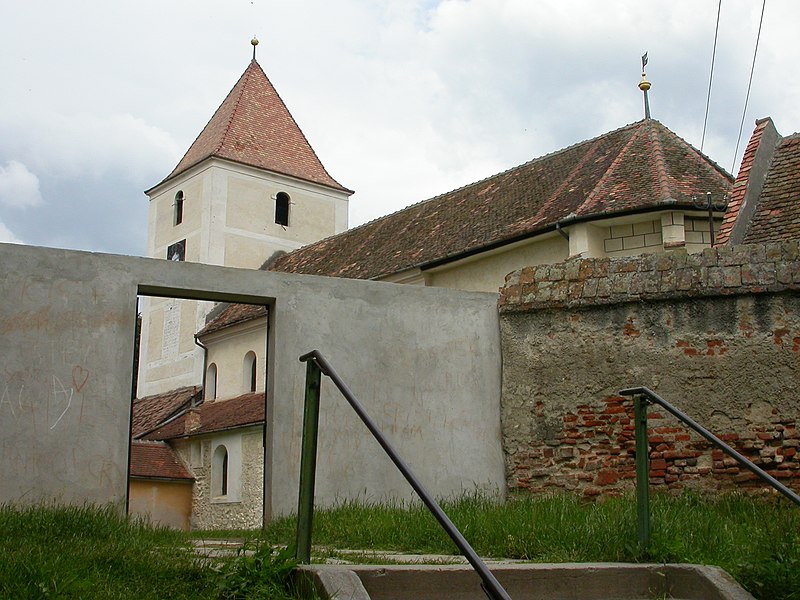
(401, 99)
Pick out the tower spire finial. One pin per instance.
(644, 85)
(254, 41)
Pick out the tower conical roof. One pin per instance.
(253, 127)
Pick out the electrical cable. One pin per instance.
(747, 98)
(711, 76)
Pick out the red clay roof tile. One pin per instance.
(252, 126)
(234, 313)
(777, 215)
(219, 415)
(740, 186)
(149, 412)
(156, 460)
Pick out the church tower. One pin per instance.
(249, 186)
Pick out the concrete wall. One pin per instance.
(425, 362)
(717, 334)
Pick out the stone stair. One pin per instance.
(447, 577)
(602, 581)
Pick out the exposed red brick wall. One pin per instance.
(595, 453)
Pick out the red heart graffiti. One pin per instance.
(79, 377)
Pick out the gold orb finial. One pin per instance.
(254, 41)
(644, 85)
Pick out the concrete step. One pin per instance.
(600, 581)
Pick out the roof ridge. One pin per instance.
(660, 163)
(708, 161)
(590, 199)
(300, 129)
(184, 388)
(243, 80)
(568, 179)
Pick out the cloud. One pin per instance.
(7, 236)
(19, 188)
(79, 146)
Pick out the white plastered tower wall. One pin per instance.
(228, 220)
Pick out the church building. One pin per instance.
(251, 192)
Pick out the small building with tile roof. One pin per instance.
(203, 467)
(160, 485)
(765, 201)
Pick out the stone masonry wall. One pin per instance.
(246, 512)
(717, 334)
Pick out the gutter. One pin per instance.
(205, 363)
(661, 206)
(568, 220)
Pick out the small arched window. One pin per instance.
(219, 471)
(179, 207)
(249, 372)
(282, 209)
(211, 382)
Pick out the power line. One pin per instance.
(747, 98)
(711, 76)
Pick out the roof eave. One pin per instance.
(338, 187)
(664, 205)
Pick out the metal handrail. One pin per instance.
(317, 364)
(644, 396)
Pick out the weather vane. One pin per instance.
(644, 85)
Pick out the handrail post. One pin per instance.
(308, 463)
(642, 472)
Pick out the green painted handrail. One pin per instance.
(642, 398)
(317, 365)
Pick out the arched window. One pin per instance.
(249, 372)
(179, 207)
(211, 382)
(219, 471)
(282, 209)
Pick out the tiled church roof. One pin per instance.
(219, 415)
(642, 166)
(777, 215)
(156, 460)
(234, 313)
(151, 411)
(252, 126)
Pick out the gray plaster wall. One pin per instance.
(425, 362)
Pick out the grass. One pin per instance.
(83, 552)
(90, 552)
